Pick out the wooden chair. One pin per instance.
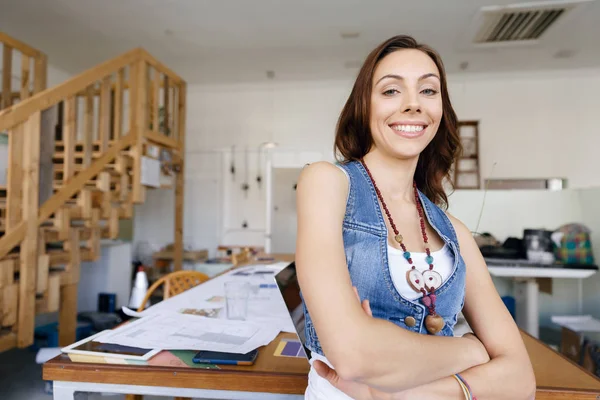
(242, 257)
(174, 283)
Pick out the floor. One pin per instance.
(21, 379)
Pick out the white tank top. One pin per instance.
(443, 261)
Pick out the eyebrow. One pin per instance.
(400, 78)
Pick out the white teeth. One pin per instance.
(408, 128)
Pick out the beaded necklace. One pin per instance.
(427, 281)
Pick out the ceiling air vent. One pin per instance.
(520, 22)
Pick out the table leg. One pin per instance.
(63, 392)
(580, 296)
(72, 391)
(527, 309)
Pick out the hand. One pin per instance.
(480, 351)
(356, 390)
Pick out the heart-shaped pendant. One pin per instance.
(433, 280)
(415, 280)
(434, 323)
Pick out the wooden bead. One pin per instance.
(434, 324)
(398, 238)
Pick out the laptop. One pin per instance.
(287, 282)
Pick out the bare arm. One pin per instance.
(372, 351)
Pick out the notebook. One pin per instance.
(287, 282)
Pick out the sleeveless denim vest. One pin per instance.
(365, 243)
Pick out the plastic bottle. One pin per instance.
(140, 287)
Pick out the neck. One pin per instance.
(394, 176)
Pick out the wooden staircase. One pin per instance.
(76, 156)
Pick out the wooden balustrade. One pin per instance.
(20, 83)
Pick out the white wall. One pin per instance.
(56, 76)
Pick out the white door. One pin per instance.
(284, 210)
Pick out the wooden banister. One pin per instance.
(48, 98)
(22, 47)
(176, 79)
(30, 83)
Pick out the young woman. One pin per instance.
(373, 226)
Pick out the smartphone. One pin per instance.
(217, 357)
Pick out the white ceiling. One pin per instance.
(239, 40)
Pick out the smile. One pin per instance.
(408, 128)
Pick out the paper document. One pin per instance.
(578, 323)
(176, 331)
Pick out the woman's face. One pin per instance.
(406, 103)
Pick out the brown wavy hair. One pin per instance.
(353, 138)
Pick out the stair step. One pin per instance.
(58, 257)
(62, 257)
(110, 168)
(51, 234)
(57, 185)
(76, 213)
(95, 154)
(94, 143)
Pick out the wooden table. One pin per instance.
(270, 377)
(273, 378)
(557, 377)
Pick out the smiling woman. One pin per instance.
(373, 227)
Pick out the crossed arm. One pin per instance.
(406, 362)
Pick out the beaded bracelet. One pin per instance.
(463, 387)
(464, 382)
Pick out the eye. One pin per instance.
(390, 92)
(429, 92)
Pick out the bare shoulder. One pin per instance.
(322, 176)
(321, 195)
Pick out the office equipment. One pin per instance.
(91, 347)
(217, 357)
(289, 288)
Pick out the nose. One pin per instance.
(411, 104)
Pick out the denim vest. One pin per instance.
(365, 243)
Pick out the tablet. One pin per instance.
(217, 357)
(90, 347)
